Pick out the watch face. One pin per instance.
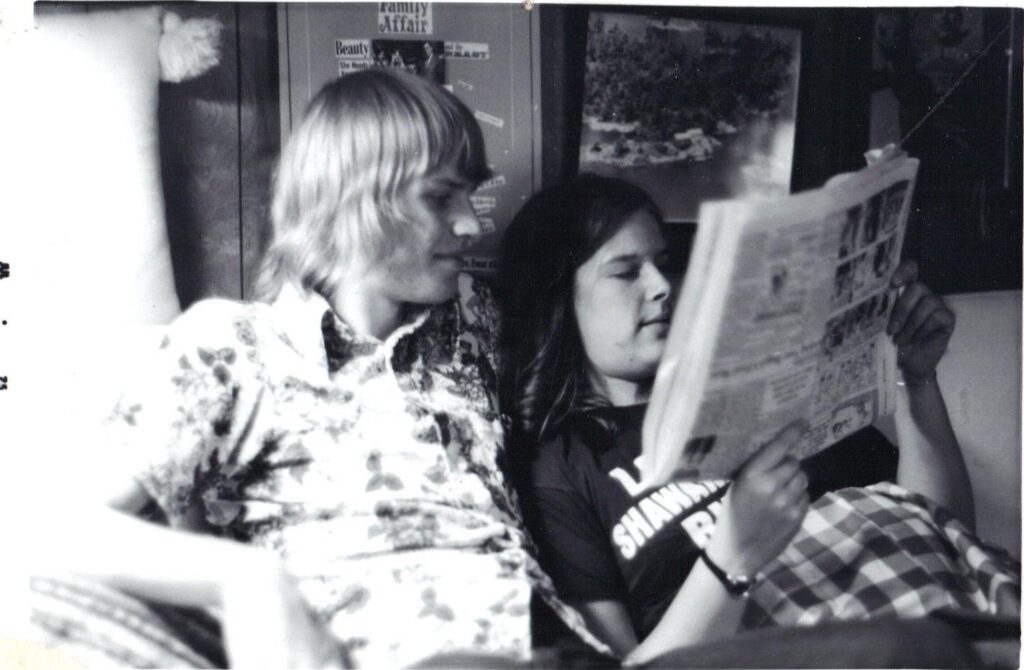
(739, 584)
(735, 584)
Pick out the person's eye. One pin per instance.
(439, 200)
(631, 273)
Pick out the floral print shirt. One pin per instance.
(373, 467)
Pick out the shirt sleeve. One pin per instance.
(574, 546)
(180, 427)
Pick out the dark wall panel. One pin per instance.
(260, 123)
(219, 138)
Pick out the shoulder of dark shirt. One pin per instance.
(573, 452)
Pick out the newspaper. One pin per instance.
(782, 317)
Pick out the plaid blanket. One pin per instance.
(878, 551)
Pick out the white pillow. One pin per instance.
(93, 155)
(86, 241)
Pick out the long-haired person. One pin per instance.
(586, 308)
(329, 455)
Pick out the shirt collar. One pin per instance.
(317, 332)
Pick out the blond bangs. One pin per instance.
(339, 184)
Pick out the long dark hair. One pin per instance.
(543, 375)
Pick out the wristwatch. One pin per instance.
(737, 585)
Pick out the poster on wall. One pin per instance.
(352, 54)
(422, 57)
(690, 110)
(468, 50)
(411, 18)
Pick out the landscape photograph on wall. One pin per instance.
(691, 110)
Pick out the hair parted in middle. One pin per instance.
(337, 196)
(544, 374)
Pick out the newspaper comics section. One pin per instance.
(799, 332)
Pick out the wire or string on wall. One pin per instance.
(963, 77)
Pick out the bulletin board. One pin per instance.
(487, 64)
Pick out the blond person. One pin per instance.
(339, 438)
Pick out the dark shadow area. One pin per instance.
(219, 138)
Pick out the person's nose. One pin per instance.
(658, 287)
(465, 223)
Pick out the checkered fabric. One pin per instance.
(877, 551)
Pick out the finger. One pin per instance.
(784, 481)
(797, 513)
(776, 449)
(940, 322)
(797, 485)
(905, 274)
(784, 471)
(802, 505)
(765, 458)
(905, 305)
(918, 314)
(924, 310)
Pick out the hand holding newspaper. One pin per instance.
(782, 317)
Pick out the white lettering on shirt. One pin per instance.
(646, 518)
(625, 543)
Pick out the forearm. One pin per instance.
(701, 611)
(760, 514)
(266, 623)
(931, 462)
(152, 561)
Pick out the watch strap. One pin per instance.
(737, 585)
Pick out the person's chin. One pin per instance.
(440, 289)
(654, 351)
(449, 264)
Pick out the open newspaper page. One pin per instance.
(786, 321)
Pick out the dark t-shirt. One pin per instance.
(601, 538)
